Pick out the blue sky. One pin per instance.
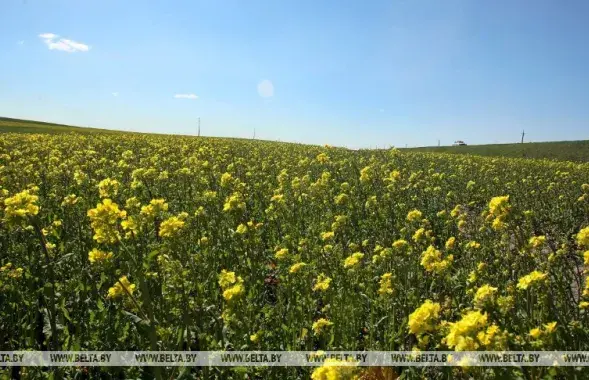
(351, 73)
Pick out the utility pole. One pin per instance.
(523, 134)
(199, 127)
(254, 133)
(438, 142)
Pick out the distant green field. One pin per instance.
(29, 126)
(559, 150)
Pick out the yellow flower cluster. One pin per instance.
(320, 325)
(20, 206)
(354, 260)
(121, 288)
(531, 279)
(485, 295)
(96, 256)
(231, 285)
(386, 284)
(104, 220)
(333, 369)
(172, 226)
(473, 332)
(425, 318)
(431, 260)
(108, 188)
(322, 283)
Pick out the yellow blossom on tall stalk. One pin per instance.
(463, 335)
(531, 279)
(281, 254)
(121, 288)
(386, 284)
(172, 226)
(537, 241)
(108, 188)
(499, 205)
(431, 260)
(450, 243)
(296, 267)
(354, 260)
(484, 295)
(231, 285)
(20, 206)
(425, 318)
(322, 283)
(414, 215)
(320, 325)
(104, 220)
(583, 237)
(154, 208)
(96, 256)
(333, 369)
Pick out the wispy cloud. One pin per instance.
(20, 42)
(53, 42)
(185, 96)
(115, 94)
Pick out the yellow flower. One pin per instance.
(473, 244)
(484, 295)
(549, 328)
(334, 369)
(419, 235)
(327, 235)
(97, 256)
(118, 289)
(255, 338)
(498, 224)
(20, 206)
(399, 244)
(171, 227)
(296, 267)
(537, 241)
(353, 260)
(535, 333)
(463, 335)
(586, 258)
(103, 220)
(431, 260)
(234, 202)
(414, 215)
(583, 237)
(450, 243)
(322, 283)
(424, 318)
(530, 279)
(281, 253)
(499, 205)
(320, 325)
(154, 208)
(241, 229)
(226, 279)
(108, 188)
(386, 285)
(235, 291)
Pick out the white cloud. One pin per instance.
(185, 96)
(265, 89)
(115, 94)
(53, 42)
(20, 42)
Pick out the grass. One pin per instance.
(556, 150)
(8, 125)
